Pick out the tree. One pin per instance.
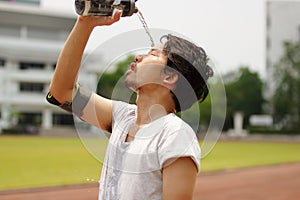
(211, 112)
(111, 84)
(286, 99)
(244, 94)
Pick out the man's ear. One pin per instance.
(170, 79)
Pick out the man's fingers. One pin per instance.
(112, 19)
(117, 16)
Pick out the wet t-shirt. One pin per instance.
(133, 170)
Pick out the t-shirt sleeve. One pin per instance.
(182, 143)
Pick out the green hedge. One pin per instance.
(268, 130)
(21, 129)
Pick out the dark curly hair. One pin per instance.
(190, 63)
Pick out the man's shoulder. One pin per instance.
(119, 106)
(123, 104)
(174, 123)
(123, 111)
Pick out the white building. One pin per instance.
(30, 41)
(283, 24)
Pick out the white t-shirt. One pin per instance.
(133, 170)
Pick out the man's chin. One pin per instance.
(130, 85)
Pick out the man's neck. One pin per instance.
(153, 105)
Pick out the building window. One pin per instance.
(31, 87)
(30, 118)
(29, 123)
(63, 119)
(2, 62)
(29, 65)
(33, 2)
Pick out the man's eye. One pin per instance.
(154, 53)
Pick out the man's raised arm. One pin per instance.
(64, 91)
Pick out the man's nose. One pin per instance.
(139, 58)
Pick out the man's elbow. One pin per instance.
(52, 100)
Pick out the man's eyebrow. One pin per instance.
(155, 49)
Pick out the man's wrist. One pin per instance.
(85, 23)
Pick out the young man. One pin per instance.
(152, 154)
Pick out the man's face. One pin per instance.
(147, 70)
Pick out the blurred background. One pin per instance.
(253, 44)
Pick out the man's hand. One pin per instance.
(93, 21)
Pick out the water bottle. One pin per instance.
(105, 7)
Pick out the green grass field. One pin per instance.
(232, 155)
(37, 161)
